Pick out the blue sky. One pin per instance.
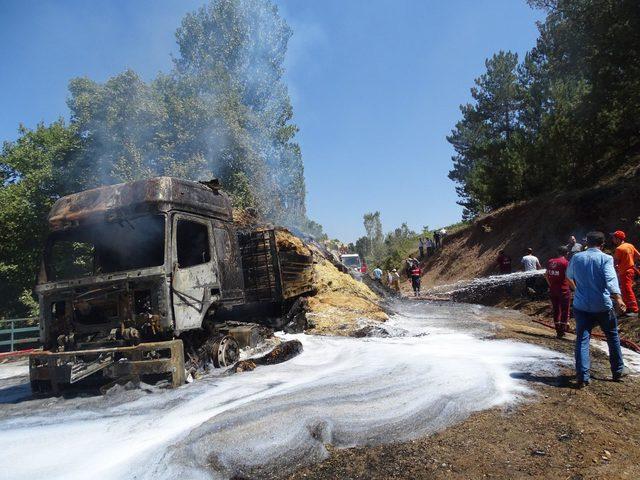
(375, 85)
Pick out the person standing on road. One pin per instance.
(530, 263)
(504, 263)
(443, 233)
(573, 246)
(411, 262)
(559, 290)
(421, 246)
(377, 273)
(624, 259)
(436, 238)
(395, 280)
(416, 272)
(596, 290)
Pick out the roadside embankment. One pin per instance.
(542, 224)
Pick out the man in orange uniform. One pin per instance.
(624, 259)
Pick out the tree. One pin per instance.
(232, 54)
(362, 247)
(222, 111)
(569, 113)
(36, 170)
(590, 53)
(486, 165)
(373, 227)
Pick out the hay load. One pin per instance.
(339, 304)
(342, 305)
(331, 302)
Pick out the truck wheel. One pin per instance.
(225, 351)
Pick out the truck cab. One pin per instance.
(133, 272)
(353, 262)
(138, 261)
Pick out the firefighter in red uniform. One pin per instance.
(504, 263)
(559, 290)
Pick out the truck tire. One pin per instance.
(224, 351)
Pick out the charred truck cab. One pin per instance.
(130, 271)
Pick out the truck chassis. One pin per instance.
(51, 371)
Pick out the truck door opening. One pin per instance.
(194, 273)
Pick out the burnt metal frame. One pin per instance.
(43, 366)
(258, 251)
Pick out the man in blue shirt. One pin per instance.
(377, 273)
(596, 289)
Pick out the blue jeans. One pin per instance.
(608, 322)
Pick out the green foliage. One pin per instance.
(390, 250)
(362, 247)
(397, 247)
(375, 237)
(400, 244)
(239, 190)
(485, 164)
(36, 170)
(565, 117)
(315, 229)
(29, 304)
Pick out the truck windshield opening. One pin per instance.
(107, 247)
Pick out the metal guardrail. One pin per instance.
(17, 332)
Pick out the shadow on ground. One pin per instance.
(560, 381)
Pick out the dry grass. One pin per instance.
(342, 303)
(288, 242)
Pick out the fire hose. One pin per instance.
(18, 353)
(625, 342)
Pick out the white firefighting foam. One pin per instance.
(433, 371)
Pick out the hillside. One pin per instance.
(542, 224)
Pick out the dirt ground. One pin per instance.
(629, 327)
(562, 433)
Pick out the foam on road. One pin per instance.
(14, 369)
(435, 369)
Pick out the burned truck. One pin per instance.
(136, 275)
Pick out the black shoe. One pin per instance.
(618, 376)
(582, 383)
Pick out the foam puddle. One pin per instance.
(344, 391)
